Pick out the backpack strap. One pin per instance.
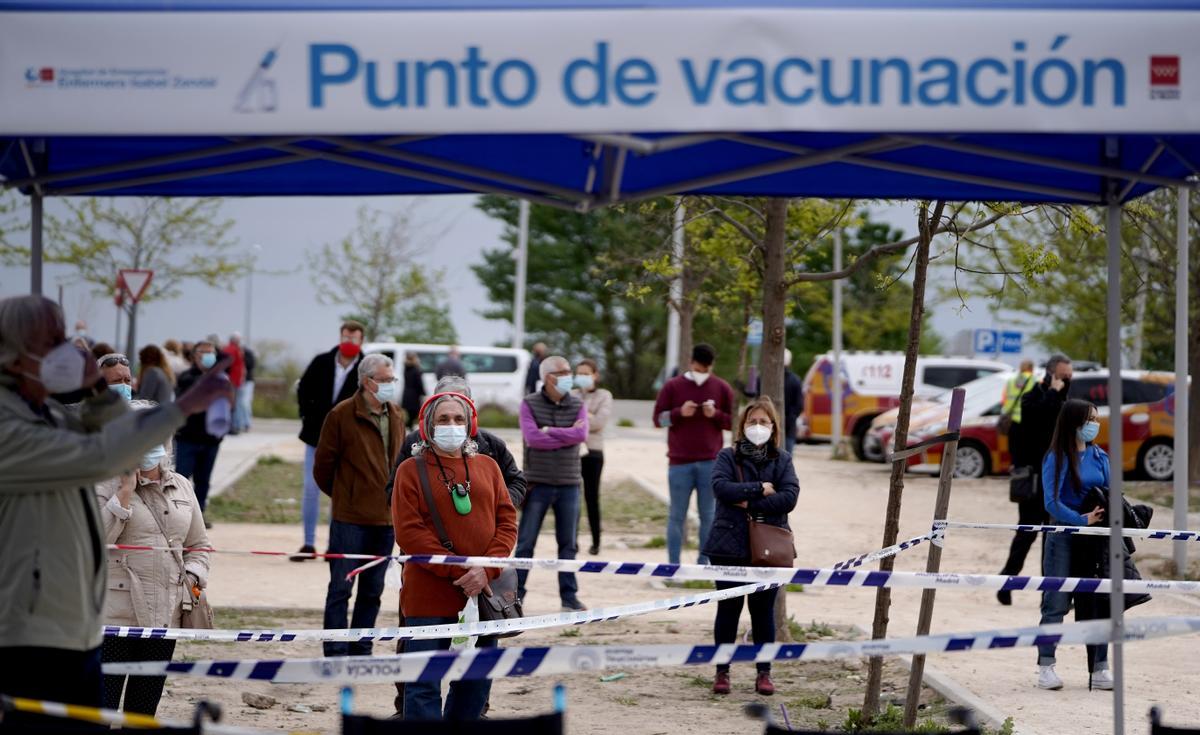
(423, 473)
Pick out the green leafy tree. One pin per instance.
(374, 271)
(576, 300)
(181, 240)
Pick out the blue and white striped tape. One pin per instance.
(498, 663)
(937, 535)
(491, 627)
(1162, 534)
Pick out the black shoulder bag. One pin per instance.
(502, 603)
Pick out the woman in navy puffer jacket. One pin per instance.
(753, 478)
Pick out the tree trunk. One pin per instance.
(1193, 468)
(891, 527)
(131, 334)
(687, 321)
(774, 313)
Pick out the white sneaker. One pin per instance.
(1047, 679)
(1103, 680)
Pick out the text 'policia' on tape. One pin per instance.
(490, 627)
(498, 663)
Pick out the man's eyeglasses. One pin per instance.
(110, 360)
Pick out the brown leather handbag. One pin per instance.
(770, 546)
(502, 602)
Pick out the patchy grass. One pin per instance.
(625, 508)
(492, 416)
(1162, 494)
(1166, 569)
(815, 631)
(812, 701)
(269, 493)
(890, 720)
(274, 407)
(625, 423)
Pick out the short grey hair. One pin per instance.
(471, 447)
(22, 319)
(371, 364)
(453, 384)
(553, 364)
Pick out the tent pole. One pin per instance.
(673, 327)
(1181, 461)
(836, 402)
(35, 245)
(1115, 515)
(522, 274)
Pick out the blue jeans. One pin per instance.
(242, 407)
(195, 462)
(681, 480)
(1056, 562)
(423, 699)
(310, 502)
(352, 538)
(789, 444)
(564, 499)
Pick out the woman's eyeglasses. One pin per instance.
(110, 360)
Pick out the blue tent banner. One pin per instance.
(672, 69)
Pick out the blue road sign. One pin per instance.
(987, 341)
(754, 334)
(1010, 343)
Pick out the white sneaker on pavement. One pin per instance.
(1103, 680)
(1048, 679)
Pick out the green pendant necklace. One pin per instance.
(460, 493)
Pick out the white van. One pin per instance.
(871, 385)
(496, 374)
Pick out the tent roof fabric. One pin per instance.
(586, 171)
(441, 5)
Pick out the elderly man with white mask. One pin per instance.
(53, 570)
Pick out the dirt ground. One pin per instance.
(840, 514)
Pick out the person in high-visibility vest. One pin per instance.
(1015, 389)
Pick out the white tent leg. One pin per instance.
(35, 245)
(673, 326)
(1115, 515)
(521, 275)
(1181, 378)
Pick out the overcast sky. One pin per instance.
(285, 307)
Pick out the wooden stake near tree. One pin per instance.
(927, 226)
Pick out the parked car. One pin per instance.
(1147, 425)
(981, 394)
(497, 374)
(871, 386)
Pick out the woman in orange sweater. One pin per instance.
(472, 502)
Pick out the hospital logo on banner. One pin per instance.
(1164, 77)
(39, 77)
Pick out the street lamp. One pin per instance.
(255, 249)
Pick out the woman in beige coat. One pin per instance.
(152, 506)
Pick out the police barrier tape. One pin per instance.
(796, 575)
(490, 627)
(497, 663)
(1164, 534)
(936, 536)
(81, 713)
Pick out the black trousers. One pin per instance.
(762, 614)
(1030, 512)
(142, 693)
(52, 675)
(590, 466)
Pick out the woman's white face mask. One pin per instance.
(61, 370)
(758, 434)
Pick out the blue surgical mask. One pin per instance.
(1089, 432)
(386, 392)
(122, 389)
(564, 383)
(584, 382)
(449, 438)
(208, 359)
(154, 457)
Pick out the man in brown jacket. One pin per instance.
(358, 439)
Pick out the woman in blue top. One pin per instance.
(1072, 466)
(751, 478)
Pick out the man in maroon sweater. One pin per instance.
(695, 407)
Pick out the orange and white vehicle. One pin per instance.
(1147, 425)
(871, 385)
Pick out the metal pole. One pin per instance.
(1181, 377)
(1116, 515)
(673, 328)
(836, 398)
(522, 264)
(249, 303)
(35, 245)
(941, 508)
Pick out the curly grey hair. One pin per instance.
(470, 448)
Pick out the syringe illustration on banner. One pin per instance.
(259, 93)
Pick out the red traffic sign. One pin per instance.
(133, 281)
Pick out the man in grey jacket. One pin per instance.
(52, 558)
